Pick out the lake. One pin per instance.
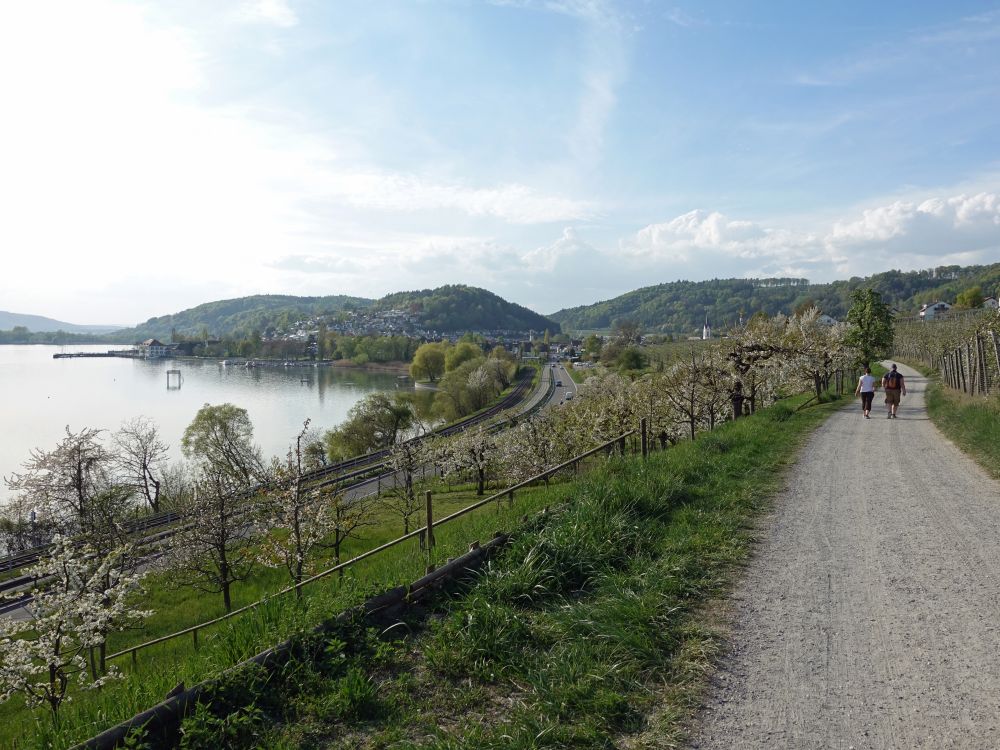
(40, 396)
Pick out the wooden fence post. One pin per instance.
(644, 437)
(972, 369)
(996, 348)
(194, 635)
(961, 368)
(430, 520)
(984, 386)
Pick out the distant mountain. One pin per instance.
(680, 307)
(39, 323)
(456, 307)
(243, 315)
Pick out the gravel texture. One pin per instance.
(870, 615)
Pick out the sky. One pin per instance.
(157, 155)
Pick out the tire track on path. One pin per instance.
(870, 614)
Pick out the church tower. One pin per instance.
(706, 332)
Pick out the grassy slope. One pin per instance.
(973, 424)
(591, 631)
(161, 667)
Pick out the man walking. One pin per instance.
(894, 387)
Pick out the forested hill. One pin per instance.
(262, 313)
(680, 307)
(446, 309)
(456, 307)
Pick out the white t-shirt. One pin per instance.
(867, 383)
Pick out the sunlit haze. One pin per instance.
(157, 155)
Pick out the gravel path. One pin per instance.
(870, 616)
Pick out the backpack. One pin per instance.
(892, 380)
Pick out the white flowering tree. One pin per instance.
(140, 458)
(651, 402)
(684, 391)
(73, 487)
(527, 449)
(79, 600)
(606, 407)
(813, 350)
(405, 460)
(297, 518)
(472, 452)
(758, 360)
(213, 547)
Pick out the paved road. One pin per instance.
(870, 616)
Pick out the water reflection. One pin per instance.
(41, 396)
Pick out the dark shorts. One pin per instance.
(892, 396)
(866, 400)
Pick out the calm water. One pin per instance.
(39, 396)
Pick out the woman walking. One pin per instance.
(866, 387)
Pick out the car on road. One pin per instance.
(558, 384)
(569, 395)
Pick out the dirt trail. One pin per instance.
(870, 615)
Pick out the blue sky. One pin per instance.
(558, 152)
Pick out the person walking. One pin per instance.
(895, 387)
(866, 389)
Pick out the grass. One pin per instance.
(972, 423)
(593, 630)
(161, 667)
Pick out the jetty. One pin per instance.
(127, 353)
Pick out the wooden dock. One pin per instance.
(126, 353)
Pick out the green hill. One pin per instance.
(680, 307)
(446, 309)
(262, 312)
(456, 307)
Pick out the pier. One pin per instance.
(127, 353)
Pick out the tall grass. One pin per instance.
(971, 422)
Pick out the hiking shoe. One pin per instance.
(867, 417)
(889, 415)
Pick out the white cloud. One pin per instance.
(960, 222)
(698, 232)
(904, 235)
(273, 12)
(518, 204)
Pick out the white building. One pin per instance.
(934, 310)
(706, 332)
(153, 349)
